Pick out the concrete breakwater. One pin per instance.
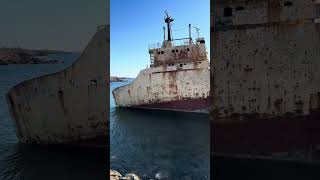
(48, 110)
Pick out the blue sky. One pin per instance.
(136, 24)
(51, 24)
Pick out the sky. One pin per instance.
(51, 24)
(136, 24)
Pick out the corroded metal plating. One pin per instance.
(178, 79)
(68, 106)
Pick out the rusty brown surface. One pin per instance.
(268, 136)
(189, 105)
(274, 9)
(264, 82)
(66, 106)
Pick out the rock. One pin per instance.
(115, 79)
(115, 175)
(21, 56)
(131, 176)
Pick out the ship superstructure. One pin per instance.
(178, 77)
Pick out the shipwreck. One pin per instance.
(178, 78)
(69, 106)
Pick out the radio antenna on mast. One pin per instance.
(197, 29)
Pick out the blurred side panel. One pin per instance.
(264, 84)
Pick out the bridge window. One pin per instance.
(227, 12)
(173, 51)
(188, 49)
(288, 3)
(181, 65)
(239, 8)
(93, 82)
(177, 50)
(162, 52)
(158, 52)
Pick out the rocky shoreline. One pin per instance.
(21, 56)
(118, 79)
(115, 79)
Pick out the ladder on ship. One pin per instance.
(151, 59)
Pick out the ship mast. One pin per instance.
(164, 33)
(197, 29)
(168, 20)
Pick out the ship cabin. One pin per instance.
(177, 54)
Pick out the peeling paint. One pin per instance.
(66, 106)
(164, 86)
(276, 47)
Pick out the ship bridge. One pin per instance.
(177, 52)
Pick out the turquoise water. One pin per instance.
(159, 144)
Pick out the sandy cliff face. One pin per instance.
(67, 106)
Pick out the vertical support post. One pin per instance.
(164, 33)
(190, 40)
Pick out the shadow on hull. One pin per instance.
(275, 148)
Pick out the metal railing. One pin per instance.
(155, 46)
(175, 42)
(181, 42)
(101, 27)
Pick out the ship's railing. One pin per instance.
(175, 42)
(154, 46)
(181, 42)
(101, 27)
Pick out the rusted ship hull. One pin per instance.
(295, 137)
(67, 107)
(178, 78)
(275, 147)
(265, 95)
(183, 90)
(190, 105)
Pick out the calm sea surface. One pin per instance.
(21, 161)
(153, 144)
(159, 144)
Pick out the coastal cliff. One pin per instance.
(23, 56)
